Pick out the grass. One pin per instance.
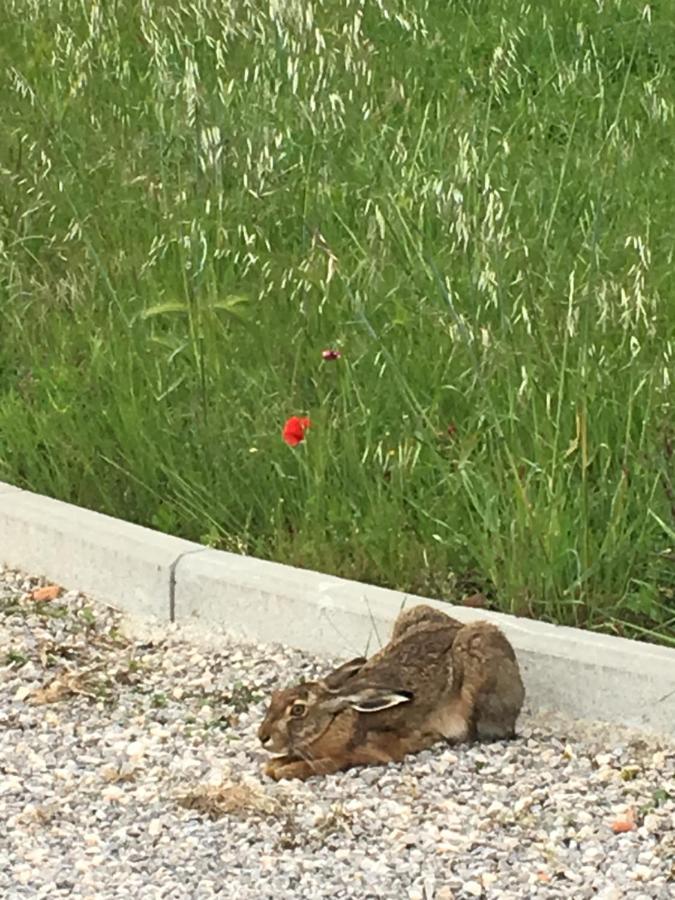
(472, 200)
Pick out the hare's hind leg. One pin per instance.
(487, 678)
(497, 710)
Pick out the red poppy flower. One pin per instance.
(294, 430)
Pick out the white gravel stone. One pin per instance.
(91, 786)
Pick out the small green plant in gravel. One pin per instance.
(15, 658)
(86, 614)
(242, 696)
(468, 205)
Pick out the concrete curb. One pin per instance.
(116, 562)
(146, 573)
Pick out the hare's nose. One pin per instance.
(265, 739)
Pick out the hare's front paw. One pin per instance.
(287, 767)
(274, 765)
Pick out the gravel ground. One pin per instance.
(130, 768)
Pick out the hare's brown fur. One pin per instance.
(435, 680)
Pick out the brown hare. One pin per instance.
(436, 679)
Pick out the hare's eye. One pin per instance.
(297, 710)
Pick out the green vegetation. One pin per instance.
(472, 200)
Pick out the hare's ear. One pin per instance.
(374, 699)
(337, 678)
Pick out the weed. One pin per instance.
(15, 658)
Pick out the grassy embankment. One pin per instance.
(472, 200)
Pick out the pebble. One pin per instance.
(92, 785)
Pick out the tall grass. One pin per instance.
(472, 200)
